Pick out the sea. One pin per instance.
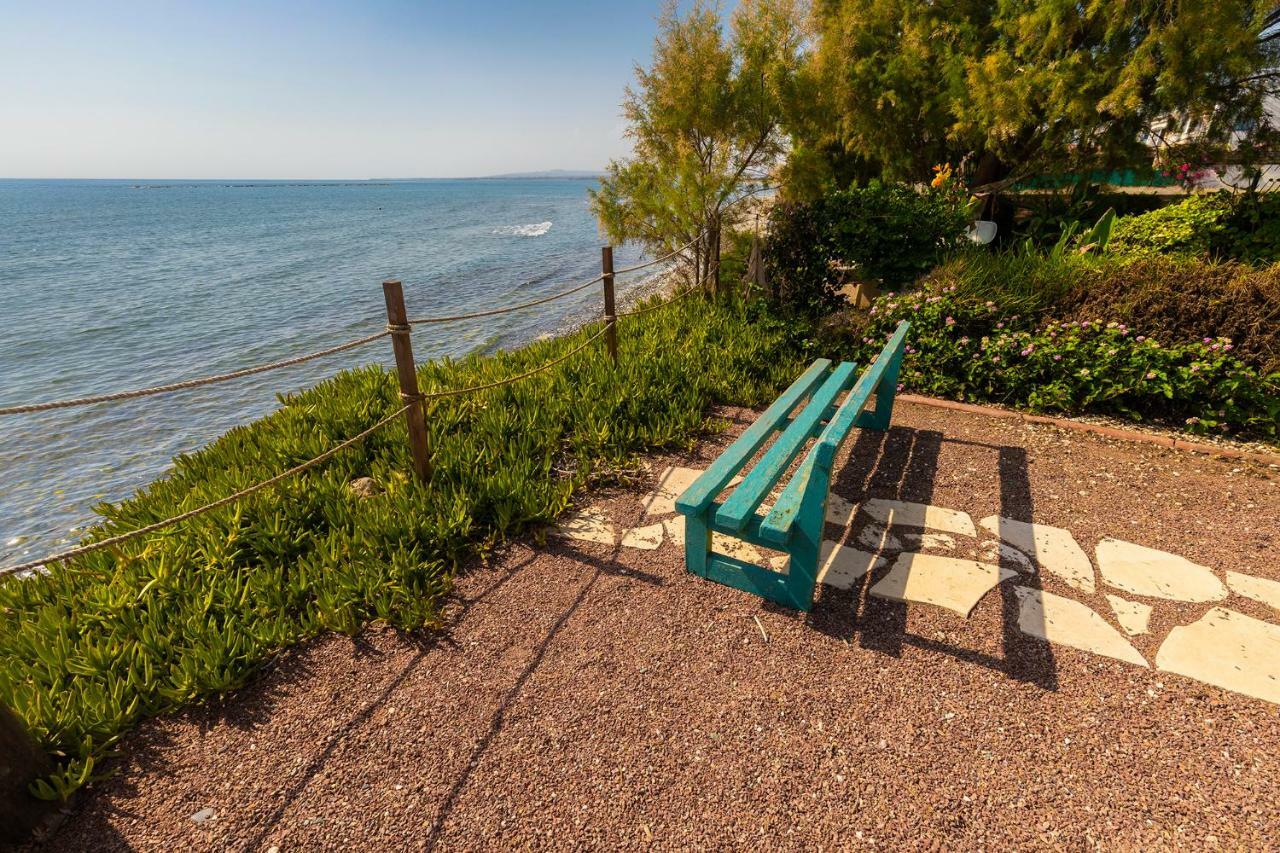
(122, 284)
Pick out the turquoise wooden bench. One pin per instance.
(794, 525)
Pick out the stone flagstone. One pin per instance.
(1007, 556)
(946, 582)
(1229, 650)
(1054, 549)
(1134, 616)
(839, 566)
(923, 541)
(645, 538)
(904, 514)
(1156, 574)
(720, 543)
(671, 484)
(1259, 589)
(840, 511)
(1070, 623)
(589, 525)
(876, 538)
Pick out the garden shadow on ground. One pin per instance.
(902, 464)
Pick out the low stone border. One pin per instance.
(1109, 432)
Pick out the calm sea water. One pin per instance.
(109, 285)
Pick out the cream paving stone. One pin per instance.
(839, 566)
(1134, 616)
(1145, 571)
(1226, 649)
(1070, 623)
(927, 516)
(1007, 556)
(1259, 589)
(735, 548)
(675, 529)
(946, 582)
(589, 525)
(1054, 549)
(720, 543)
(877, 538)
(923, 541)
(647, 538)
(840, 511)
(672, 483)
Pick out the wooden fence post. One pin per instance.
(398, 326)
(610, 313)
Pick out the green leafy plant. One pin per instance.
(1189, 227)
(890, 234)
(107, 639)
(967, 350)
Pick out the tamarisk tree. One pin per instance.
(705, 123)
(1012, 87)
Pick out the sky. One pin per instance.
(314, 90)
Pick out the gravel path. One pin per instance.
(588, 696)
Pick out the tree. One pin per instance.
(1011, 87)
(705, 121)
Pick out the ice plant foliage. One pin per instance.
(112, 637)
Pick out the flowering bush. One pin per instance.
(970, 350)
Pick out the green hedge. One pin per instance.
(1170, 298)
(112, 637)
(979, 351)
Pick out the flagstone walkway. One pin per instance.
(1024, 637)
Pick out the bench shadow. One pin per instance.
(902, 464)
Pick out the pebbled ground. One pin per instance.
(585, 695)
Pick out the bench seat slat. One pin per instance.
(699, 495)
(753, 489)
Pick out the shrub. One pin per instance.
(977, 351)
(1252, 231)
(1186, 228)
(161, 621)
(1171, 299)
(890, 233)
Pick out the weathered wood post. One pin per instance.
(610, 314)
(398, 326)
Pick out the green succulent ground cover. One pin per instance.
(157, 623)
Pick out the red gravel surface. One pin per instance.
(587, 696)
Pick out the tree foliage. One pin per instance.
(1021, 85)
(705, 120)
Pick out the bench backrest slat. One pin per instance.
(712, 481)
(741, 505)
(777, 525)
(838, 428)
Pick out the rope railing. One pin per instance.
(297, 469)
(189, 383)
(496, 311)
(398, 330)
(209, 507)
(290, 362)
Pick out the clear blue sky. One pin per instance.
(366, 88)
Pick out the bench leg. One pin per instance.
(886, 391)
(805, 546)
(697, 544)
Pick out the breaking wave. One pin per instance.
(536, 229)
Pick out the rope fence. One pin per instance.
(398, 329)
(221, 502)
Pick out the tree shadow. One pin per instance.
(902, 464)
